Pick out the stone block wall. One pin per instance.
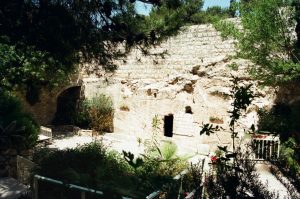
(195, 45)
(184, 124)
(194, 72)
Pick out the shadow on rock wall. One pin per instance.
(284, 117)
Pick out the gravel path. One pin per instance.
(71, 142)
(121, 141)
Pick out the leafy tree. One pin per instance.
(210, 15)
(267, 39)
(42, 42)
(232, 8)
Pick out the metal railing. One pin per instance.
(82, 190)
(46, 131)
(266, 147)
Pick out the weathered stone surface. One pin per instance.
(195, 72)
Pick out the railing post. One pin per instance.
(35, 188)
(83, 195)
(278, 152)
(180, 188)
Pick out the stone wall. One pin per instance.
(194, 72)
(44, 110)
(195, 45)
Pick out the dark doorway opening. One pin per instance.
(168, 125)
(67, 103)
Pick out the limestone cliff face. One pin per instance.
(194, 73)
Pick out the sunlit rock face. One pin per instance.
(191, 70)
(194, 72)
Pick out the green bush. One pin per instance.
(97, 113)
(289, 156)
(159, 167)
(10, 110)
(91, 165)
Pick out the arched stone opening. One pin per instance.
(67, 103)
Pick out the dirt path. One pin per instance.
(11, 188)
(272, 182)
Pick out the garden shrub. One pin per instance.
(81, 116)
(289, 156)
(160, 165)
(283, 119)
(193, 179)
(25, 126)
(101, 112)
(90, 165)
(97, 113)
(276, 120)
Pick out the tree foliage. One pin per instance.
(268, 39)
(17, 129)
(41, 42)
